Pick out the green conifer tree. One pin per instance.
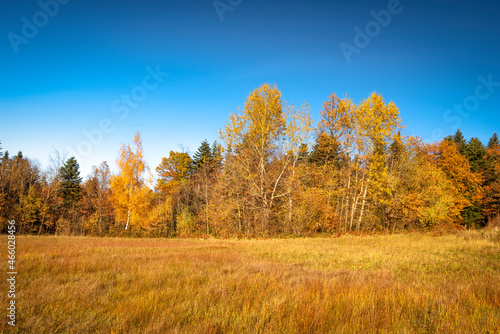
(460, 141)
(493, 141)
(216, 156)
(326, 150)
(475, 153)
(203, 155)
(70, 182)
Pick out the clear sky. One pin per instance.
(75, 66)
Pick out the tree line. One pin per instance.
(271, 173)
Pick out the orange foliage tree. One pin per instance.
(128, 188)
(262, 145)
(492, 181)
(467, 184)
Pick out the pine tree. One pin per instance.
(493, 141)
(1, 153)
(70, 183)
(475, 153)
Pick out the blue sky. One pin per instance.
(65, 79)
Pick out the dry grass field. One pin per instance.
(373, 284)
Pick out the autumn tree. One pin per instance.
(96, 200)
(322, 181)
(422, 196)
(4, 161)
(467, 184)
(128, 188)
(379, 123)
(400, 154)
(51, 185)
(338, 122)
(491, 182)
(174, 174)
(174, 170)
(17, 176)
(262, 144)
(436, 199)
(364, 133)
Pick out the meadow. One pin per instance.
(401, 283)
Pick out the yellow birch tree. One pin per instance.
(262, 146)
(128, 188)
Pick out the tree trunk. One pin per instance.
(128, 211)
(206, 203)
(362, 206)
(354, 201)
(348, 189)
(128, 219)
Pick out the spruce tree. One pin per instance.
(460, 141)
(493, 141)
(325, 150)
(396, 151)
(475, 153)
(203, 155)
(70, 182)
(216, 158)
(6, 157)
(303, 155)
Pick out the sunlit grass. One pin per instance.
(387, 284)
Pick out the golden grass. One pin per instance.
(377, 284)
